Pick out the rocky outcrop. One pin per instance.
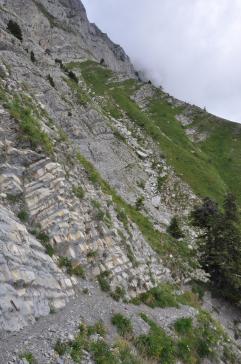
(61, 30)
(31, 284)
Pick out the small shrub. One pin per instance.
(119, 136)
(44, 239)
(156, 344)
(162, 296)
(92, 254)
(32, 57)
(15, 30)
(73, 76)
(102, 353)
(139, 203)
(98, 328)
(14, 198)
(123, 325)
(60, 347)
(183, 326)
(79, 192)
(141, 184)
(118, 294)
(160, 182)
(103, 281)
(51, 81)
(77, 270)
(199, 289)
(174, 229)
(23, 215)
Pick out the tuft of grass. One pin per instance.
(60, 347)
(44, 239)
(92, 254)
(103, 279)
(79, 192)
(23, 215)
(71, 270)
(102, 353)
(81, 96)
(123, 325)
(29, 357)
(118, 294)
(98, 328)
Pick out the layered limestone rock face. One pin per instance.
(31, 284)
(87, 231)
(61, 29)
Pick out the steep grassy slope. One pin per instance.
(210, 166)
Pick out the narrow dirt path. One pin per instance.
(40, 338)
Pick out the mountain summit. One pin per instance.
(102, 181)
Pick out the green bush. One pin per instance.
(102, 354)
(60, 347)
(140, 203)
(183, 326)
(118, 294)
(92, 254)
(98, 328)
(77, 270)
(156, 344)
(162, 296)
(73, 76)
(15, 30)
(79, 192)
(174, 228)
(123, 325)
(23, 215)
(103, 281)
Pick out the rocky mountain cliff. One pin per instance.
(94, 164)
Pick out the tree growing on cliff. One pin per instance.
(220, 245)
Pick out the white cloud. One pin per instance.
(191, 47)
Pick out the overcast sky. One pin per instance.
(190, 47)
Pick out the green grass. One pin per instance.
(29, 357)
(30, 127)
(81, 96)
(44, 239)
(23, 215)
(71, 270)
(103, 279)
(79, 192)
(211, 167)
(165, 296)
(123, 325)
(156, 345)
(162, 243)
(200, 341)
(183, 326)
